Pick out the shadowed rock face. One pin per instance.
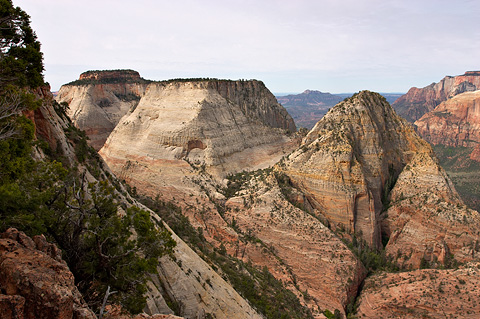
(349, 161)
(455, 122)
(100, 99)
(417, 102)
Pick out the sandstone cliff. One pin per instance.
(361, 160)
(222, 126)
(205, 294)
(454, 122)
(417, 102)
(349, 161)
(427, 222)
(99, 99)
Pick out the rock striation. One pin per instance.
(454, 122)
(419, 101)
(99, 99)
(349, 161)
(35, 282)
(195, 296)
(364, 169)
(218, 125)
(427, 223)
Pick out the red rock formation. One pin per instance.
(455, 122)
(35, 281)
(417, 101)
(124, 75)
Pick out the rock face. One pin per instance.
(454, 122)
(196, 297)
(99, 99)
(427, 222)
(427, 293)
(35, 281)
(417, 102)
(198, 290)
(349, 161)
(221, 126)
(294, 245)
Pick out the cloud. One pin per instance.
(324, 45)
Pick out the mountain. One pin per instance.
(178, 126)
(99, 99)
(367, 172)
(308, 107)
(454, 122)
(348, 159)
(361, 178)
(418, 101)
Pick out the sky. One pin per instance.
(335, 46)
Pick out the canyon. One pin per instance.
(362, 173)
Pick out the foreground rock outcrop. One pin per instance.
(35, 282)
(419, 101)
(99, 99)
(454, 122)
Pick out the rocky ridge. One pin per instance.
(201, 295)
(350, 159)
(220, 126)
(419, 101)
(454, 122)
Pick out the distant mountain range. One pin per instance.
(309, 107)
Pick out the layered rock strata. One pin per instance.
(193, 293)
(178, 126)
(99, 99)
(349, 161)
(294, 245)
(455, 122)
(427, 223)
(419, 101)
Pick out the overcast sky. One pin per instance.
(328, 45)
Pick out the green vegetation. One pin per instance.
(20, 57)
(464, 172)
(52, 196)
(258, 286)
